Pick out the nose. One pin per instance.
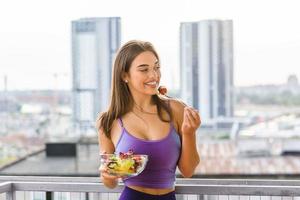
(153, 73)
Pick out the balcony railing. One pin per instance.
(87, 188)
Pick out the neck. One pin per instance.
(153, 111)
(144, 105)
(143, 101)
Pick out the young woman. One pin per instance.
(140, 119)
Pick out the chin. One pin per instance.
(151, 93)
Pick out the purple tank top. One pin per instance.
(163, 156)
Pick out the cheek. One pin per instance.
(139, 77)
(138, 81)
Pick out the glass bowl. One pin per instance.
(123, 165)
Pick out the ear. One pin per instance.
(125, 77)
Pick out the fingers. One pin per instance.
(189, 118)
(106, 175)
(192, 116)
(196, 116)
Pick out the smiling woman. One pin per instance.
(141, 120)
(144, 75)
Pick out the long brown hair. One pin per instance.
(121, 101)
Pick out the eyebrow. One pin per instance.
(146, 65)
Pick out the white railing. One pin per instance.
(84, 188)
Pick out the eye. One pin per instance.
(144, 70)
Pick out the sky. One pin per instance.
(35, 46)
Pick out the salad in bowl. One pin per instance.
(123, 164)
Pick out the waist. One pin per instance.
(152, 179)
(152, 191)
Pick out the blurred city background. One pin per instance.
(236, 62)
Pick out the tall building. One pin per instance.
(206, 66)
(94, 44)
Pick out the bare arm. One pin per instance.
(188, 121)
(106, 146)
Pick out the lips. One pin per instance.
(152, 84)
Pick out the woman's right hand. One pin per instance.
(105, 174)
(109, 180)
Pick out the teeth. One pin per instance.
(151, 83)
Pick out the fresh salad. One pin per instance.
(124, 164)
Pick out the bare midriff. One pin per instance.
(152, 191)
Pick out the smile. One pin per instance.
(154, 83)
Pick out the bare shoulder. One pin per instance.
(105, 143)
(177, 108)
(176, 105)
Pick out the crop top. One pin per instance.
(163, 156)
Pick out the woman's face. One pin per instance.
(144, 74)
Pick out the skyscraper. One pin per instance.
(206, 66)
(94, 44)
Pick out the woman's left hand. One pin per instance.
(191, 120)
